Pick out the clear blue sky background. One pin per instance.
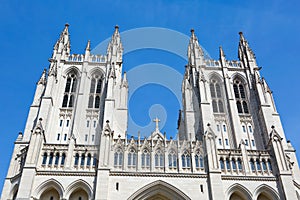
(29, 30)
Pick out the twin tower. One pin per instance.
(230, 145)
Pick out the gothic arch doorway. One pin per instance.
(159, 190)
(236, 196)
(50, 194)
(263, 197)
(79, 194)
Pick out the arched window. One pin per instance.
(118, 158)
(258, 165)
(159, 159)
(44, 159)
(222, 166)
(240, 96)
(252, 165)
(264, 165)
(70, 90)
(233, 164)
(63, 158)
(56, 159)
(228, 164)
(186, 160)
(131, 158)
(50, 159)
(95, 91)
(216, 96)
(145, 158)
(97, 102)
(82, 160)
(172, 157)
(91, 102)
(94, 160)
(269, 165)
(88, 162)
(239, 162)
(199, 161)
(76, 160)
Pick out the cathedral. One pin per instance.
(230, 145)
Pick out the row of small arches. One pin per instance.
(59, 159)
(234, 164)
(159, 159)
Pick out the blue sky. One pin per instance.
(29, 30)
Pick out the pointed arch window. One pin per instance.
(172, 157)
(145, 158)
(118, 158)
(131, 158)
(222, 165)
(199, 161)
(63, 158)
(50, 159)
(159, 159)
(76, 160)
(56, 159)
(216, 96)
(186, 160)
(240, 96)
(44, 159)
(88, 162)
(70, 90)
(95, 91)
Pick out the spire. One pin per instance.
(195, 52)
(115, 54)
(63, 43)
(88, 46)
(87, 50)
(124, 80)
(244, 49)
(43, 78)
(222, 55)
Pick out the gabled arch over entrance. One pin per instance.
(238, 192)
(159, 190)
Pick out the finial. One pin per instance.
(107, 121)
(116, 27)
(241, 36)
(43, 78)
(192, 33)
(88, 46)
(221, 52)
(67, 24)
(156, 120)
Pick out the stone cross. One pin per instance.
(156, 120)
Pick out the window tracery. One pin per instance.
(70, 91)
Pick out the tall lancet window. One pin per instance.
(95, 90)
(70, 90)
(240, 96)
(216, 96)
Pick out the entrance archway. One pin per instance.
(159, 190)
(236, 196)
(79, 194)
(50, 194)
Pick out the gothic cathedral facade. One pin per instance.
(230, 144)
